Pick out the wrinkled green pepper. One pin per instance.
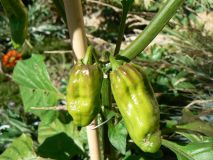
(18, 20)
(83, 93)
(138, 106)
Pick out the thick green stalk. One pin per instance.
(152, 30)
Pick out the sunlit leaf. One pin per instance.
(37, 98)
(196, 137)
(36, 87)
(45, 131)
(32, 73)
(191, 151)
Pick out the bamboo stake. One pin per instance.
(92, 136)
(75, 24)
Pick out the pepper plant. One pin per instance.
(106, 86)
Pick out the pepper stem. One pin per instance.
(114, 63)
(88, 56)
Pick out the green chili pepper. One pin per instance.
(83, 93)
(17, 14)
(84, 90)
(138, 106)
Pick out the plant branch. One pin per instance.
(152, 30)
(126, 7)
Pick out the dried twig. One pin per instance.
(56, 108)
(58, 52)
(95, 127)
(116, 9)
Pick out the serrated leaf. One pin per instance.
(191, 151)
(36, 87)
(45, 131)
(117, 136)
(20, 149)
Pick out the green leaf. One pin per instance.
(45, 131)
(59, 147)
(196, 137)
(185, 85)
(190, 122)
(21, 148)
(60, 141)
(32, 73)
(198, 126)
(35, 87)
(37, 98)
(117, 136)
(18, 20)
(191, 151)
(186, 60)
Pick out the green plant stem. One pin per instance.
(114, 63)
(152, 30)
(88, 56)
(107, 103)
(126, 7)
(60, 7)
(106, 92)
